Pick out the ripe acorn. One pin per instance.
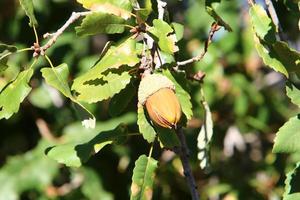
(157, 93)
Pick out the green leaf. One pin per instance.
(57, 77)
(121, 100)
(276, 54)
(293, 93)
(99, 22)
(120, 8)
(269, 60)
(217, 18)
(179, 29)
(27, 6)
(166, 41)
(73, 154)
(27, 171)
(145, 127)
(262, 24)
(14, 93)
(107, 86)
(183, 96)
(92, 186)
(204, 136)
(286, 140)
(291, 184)
(143, 13)
(105, 79)
(143, 178)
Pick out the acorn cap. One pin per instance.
(152, 83)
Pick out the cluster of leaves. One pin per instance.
(279, 56)
(107, 77)
(115, 76)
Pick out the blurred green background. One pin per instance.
(247, 100)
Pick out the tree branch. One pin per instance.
(273, 15)
(183, 153)
(214, 28)
(41, 50)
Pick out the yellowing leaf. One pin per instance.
(120, 8)
(111, 9)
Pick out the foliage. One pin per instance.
(70, 97)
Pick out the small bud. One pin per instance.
(156, 92)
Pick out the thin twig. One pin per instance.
(45, 131)
(54, 36)
(273, 15)
(161, 9)
(183, 153)
(214, 28)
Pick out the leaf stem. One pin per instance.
(18, 51)
(33, 63)
(150, 152)
(36, 35)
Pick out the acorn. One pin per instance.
(157, 94)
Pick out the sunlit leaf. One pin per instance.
(143, 178)
(145, 127)
(276, 54)
(121, 8)
(262, 24)
(105, 80)
(100, 22)
(27, 5)
(57, 77)
(293, 93)
(14, 93)
(143, 13)
(286, 140)
(166, 41)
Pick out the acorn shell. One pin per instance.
(152, 83)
